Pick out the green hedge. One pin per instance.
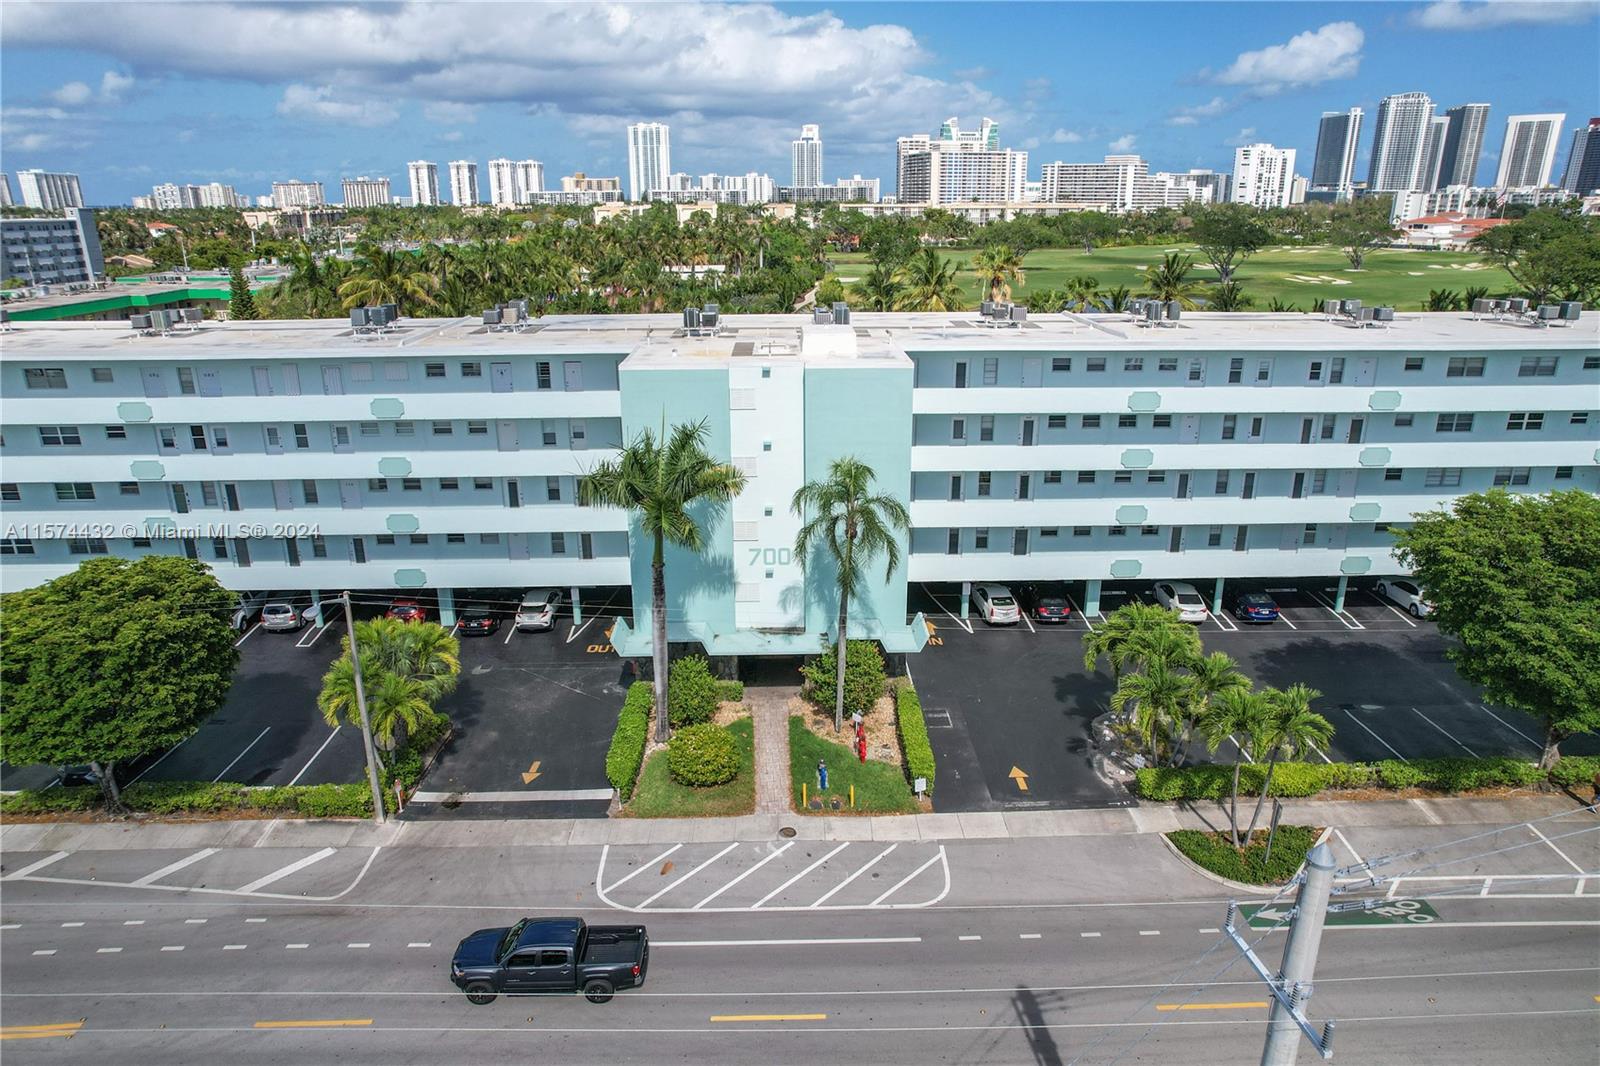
(1299, 779)
(691, 692)
(702, 755)
(913, 731)
(1216, 853)
(204, 797)
(628, 742)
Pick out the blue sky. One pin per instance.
(131, 94)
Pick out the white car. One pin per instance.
(996, 605)
(1408, 594)
(1183, 598)
(538, 609)
(281, 618)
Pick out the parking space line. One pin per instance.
(1537, 746)
(284, 871)
(242, 754)
(842, 884)
(247, 634)
(1445, 731)
(1375, 736)
(173, 867)
(313, 758)
(770, 856)
(1567, 858)
(908, 878)
(799, 875)
(643, 866)
(674, 884)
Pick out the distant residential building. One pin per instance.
(805, 157)
(5, 191)
(1529, 151)
(296, 193)
(1262, 175)
(46, 191)
(1433, 152)
(1119, 184)
(1333, 167)
(424, 178)
(1582, 175)
(365, 192)
(649, 158)
(464, 183)
(1463, 145)
(59, 250)
(581, 182)
(1399, 139)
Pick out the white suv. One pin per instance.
(996, 605)
(538, 609)
(1182, 597)
(1408, 594)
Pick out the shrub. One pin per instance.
(730, 691)
(864, 676)
(628, 741)
(691, 692)
(1575, 771)
(702, 755)
(913, 733)
(1216, 853)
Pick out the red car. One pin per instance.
(407, 611)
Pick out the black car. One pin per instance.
(1045, 604)
(1254, 607)
(477, 623)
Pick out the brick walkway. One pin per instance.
(770, 710)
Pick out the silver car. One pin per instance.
(538, 609)
(281, 618)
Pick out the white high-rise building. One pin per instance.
(1463, 145)
(365, 192)
(424, 183)
(49, 192)
(805, 157)
(1529, 151)
(296, 193)
(1333, 168)
(463, 183)
(649, 158)
(1263, 175)
(1399, 141)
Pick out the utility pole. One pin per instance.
(361, 706)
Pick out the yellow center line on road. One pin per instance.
(768, 1017)
(316, 1023)
(1246, 1005)
(39, 1032)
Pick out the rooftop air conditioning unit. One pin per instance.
(841, 313)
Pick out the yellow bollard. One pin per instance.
(852, 797)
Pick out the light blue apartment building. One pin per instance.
(444, 455)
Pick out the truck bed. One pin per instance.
(613, 944)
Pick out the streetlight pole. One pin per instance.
(361, 706)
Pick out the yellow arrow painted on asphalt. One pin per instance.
(1020, 778)
(532, 772)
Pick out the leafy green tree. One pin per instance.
(1228, 234)
(112, 661)
(928, 283)
(850, 526)
(1551, 252)
(999, 266)
(662, 480)
(1289, 730)
(1536, 560)
(1170, 280)
(1359, 226)
(241, 304)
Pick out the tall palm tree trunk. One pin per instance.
(658, 627)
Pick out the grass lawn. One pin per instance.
(1299, 275)
(880, 788)
(1216, 853)
(659, 796)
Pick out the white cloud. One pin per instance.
(1455, 15)
(1244, 136)
(1066, 136)
(318, 103)
(1334, 51)
(1123, 143)
(1191, 116)
(445, 113)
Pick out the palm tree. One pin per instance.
(854, 526)
(1082, 291)
(385, 277)
(1161, 697)
(1292, 729)
(1170, 280)
(998, 266)
(929, 284)
(1233, 713)
(660, 479)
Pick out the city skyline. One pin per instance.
(1183, 99)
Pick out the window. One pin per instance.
(116, 433)
(58, 436)
(1443, 477)
(1222, 482)
(488, 538)
(1096, 363)
(385, 539)
(472, 370)
(1091, 421)
(443, 429)
(308, 488)
(991, 371)
(128, 488)
(1454, 423)
(1230, 426)
(558, 544)
(74, 490)
(301, 438)
(1052, 477)
(1061, 364)
(1133, 364)
(1538, 366)
(1214, 537)
(477, 428)
(1315, 371)
(419, 539)
(985, 482)
(186, 385)
(1161, 421)
(1235, 371)
(541, 374)
(1335, 371)
(986, 427)
(1403, 421)
(101, 375)
(1525, 420)
(1155, 477)
(455, 538)
(16, 546)
(377, 484)
(1086, 477)
(1167, 362)
(411, 484)
(552, 488)
(1414, 362)
(10, 491)
(1563, 473)
(1056, 422)
(1579, 418)
(1122, 477)
(87, 546)
(980, 539)
(44, 377)
(1394, 473)
(1127, 421)
(1081, 531)
(1117, 531)
(449, 484)
(1512, 475)
(483, 483)
(405, 429)
(360, 371)
(433, 370)
(1465, 366)
(369, 429)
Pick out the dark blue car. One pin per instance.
(1254, 607)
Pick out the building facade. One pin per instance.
(1399, 138)
(649, 158)
(1463, 145)
(1333, 167)
(805, 157)
(464, 183)
(1529, 151)
(296, 193)
(293, 456)
(1582, 174)
(45, 191)
(1263, 175)
(52, 251)
(424, 178)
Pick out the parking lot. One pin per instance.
(1009, 708)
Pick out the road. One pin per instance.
(1052, 950)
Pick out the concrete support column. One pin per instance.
(1216, 598)
(447, 608)
(316, 607)
(1091, 597)
(966, 598)
(1338, 596)
(577, 607)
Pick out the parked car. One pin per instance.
(1254, 607)
(281, 618)
(996, 605)
(407, 611)
(477, 623)
(1044, 604)
(1182, 597)
(248, 612)
(1408, 594)
(538, 609)
(540, 956)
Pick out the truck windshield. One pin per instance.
(509, 941)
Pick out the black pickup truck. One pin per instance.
(543, 956)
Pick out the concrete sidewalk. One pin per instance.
(1155, 818)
